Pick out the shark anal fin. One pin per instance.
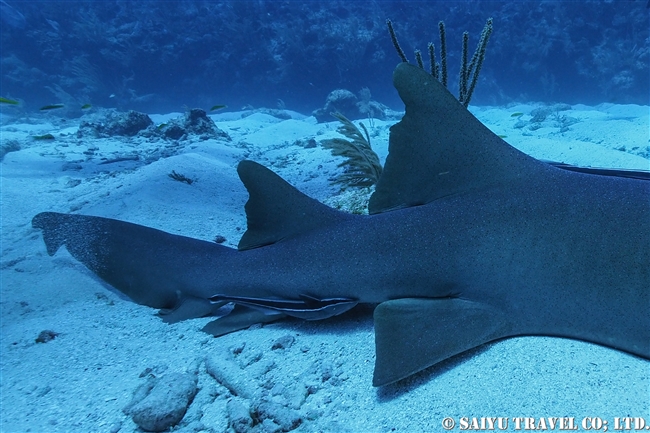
(307, 308)
(412, 334)
(240, 317)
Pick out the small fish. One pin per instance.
(161, 126)
(11, 16)
(86, 106)
(8, 101)
(218, 107)
(51, 107)
(502, 136)
(43, 137)
(517, 114)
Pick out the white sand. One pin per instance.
(81, 380)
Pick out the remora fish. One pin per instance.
(468, 241)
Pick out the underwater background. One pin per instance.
(158, 56)
(564, 81)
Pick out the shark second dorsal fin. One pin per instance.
(439, 148)
(276, 210)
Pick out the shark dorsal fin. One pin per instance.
(439, 148)
(276, 210)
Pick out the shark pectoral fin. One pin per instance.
(412, 334)
(189, 308)
(239, 318)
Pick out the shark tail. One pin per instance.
(53, 230)
(151, 267)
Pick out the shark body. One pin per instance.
(468, 241)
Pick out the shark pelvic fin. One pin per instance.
(276, 210)
(412, 334)
(240, 317)
(188, 308)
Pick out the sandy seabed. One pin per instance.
(319, 379)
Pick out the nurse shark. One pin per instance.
(467, 241)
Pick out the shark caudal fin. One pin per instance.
(54, 229)
(439, 148)
(412, 334)
(151, 267)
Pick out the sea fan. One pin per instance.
(361, 165)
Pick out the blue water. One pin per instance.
(157, 56)
(172, 56)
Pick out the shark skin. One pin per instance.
(468, 241)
